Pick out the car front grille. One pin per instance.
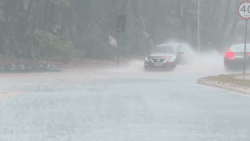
(159, 60)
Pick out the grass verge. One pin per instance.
(236, 79)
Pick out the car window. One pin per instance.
(239, 48)
(166, 49)
(183, 48)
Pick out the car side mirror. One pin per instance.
(181, 52)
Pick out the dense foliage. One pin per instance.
(41, 28)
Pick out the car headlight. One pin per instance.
(146, 59)
(172, 59)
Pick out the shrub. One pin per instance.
(39, 44)
(95, 43)
(46, 44)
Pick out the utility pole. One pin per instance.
(198, 42)
(120, 28)
(245, 49)
(119, 45)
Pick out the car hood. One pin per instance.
(162, 55)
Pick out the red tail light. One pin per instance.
(248, 53)
(230, 54)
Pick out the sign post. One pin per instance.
(244, 13)
(112, 41)
(198, 26)
(120, 28)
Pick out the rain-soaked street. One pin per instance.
(122, 104)
(124, 70)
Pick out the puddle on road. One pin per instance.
(202, 65)
(197, 64)
(6, 94)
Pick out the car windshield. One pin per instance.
(164, 49)
(239, 48)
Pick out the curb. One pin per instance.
(228, 86)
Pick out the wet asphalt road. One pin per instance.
(124, 106)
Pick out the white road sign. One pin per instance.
(244, 10)
(112, 41)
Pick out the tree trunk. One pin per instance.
(154, 19)
(235, 20)
(4, 26)
(21, 6)
(124, 7)
(46, 11)
(135, 7)
(23, 19)
(29, 9)
(224, 25)
(51, 12)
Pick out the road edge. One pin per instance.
(228, 86)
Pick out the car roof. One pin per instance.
(168, 45)
(239, 45)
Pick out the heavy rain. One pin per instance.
(124, 70)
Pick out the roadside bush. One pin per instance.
(96, 43)
(98, 49)
(39, 44)
(48, 45)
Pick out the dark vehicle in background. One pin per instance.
(234, 57)
(164, 57)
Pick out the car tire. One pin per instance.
(229, 68)
(226, 67)
(172, 68)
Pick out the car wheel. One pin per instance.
(228, 67)
(172, 68)
(146, 68)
